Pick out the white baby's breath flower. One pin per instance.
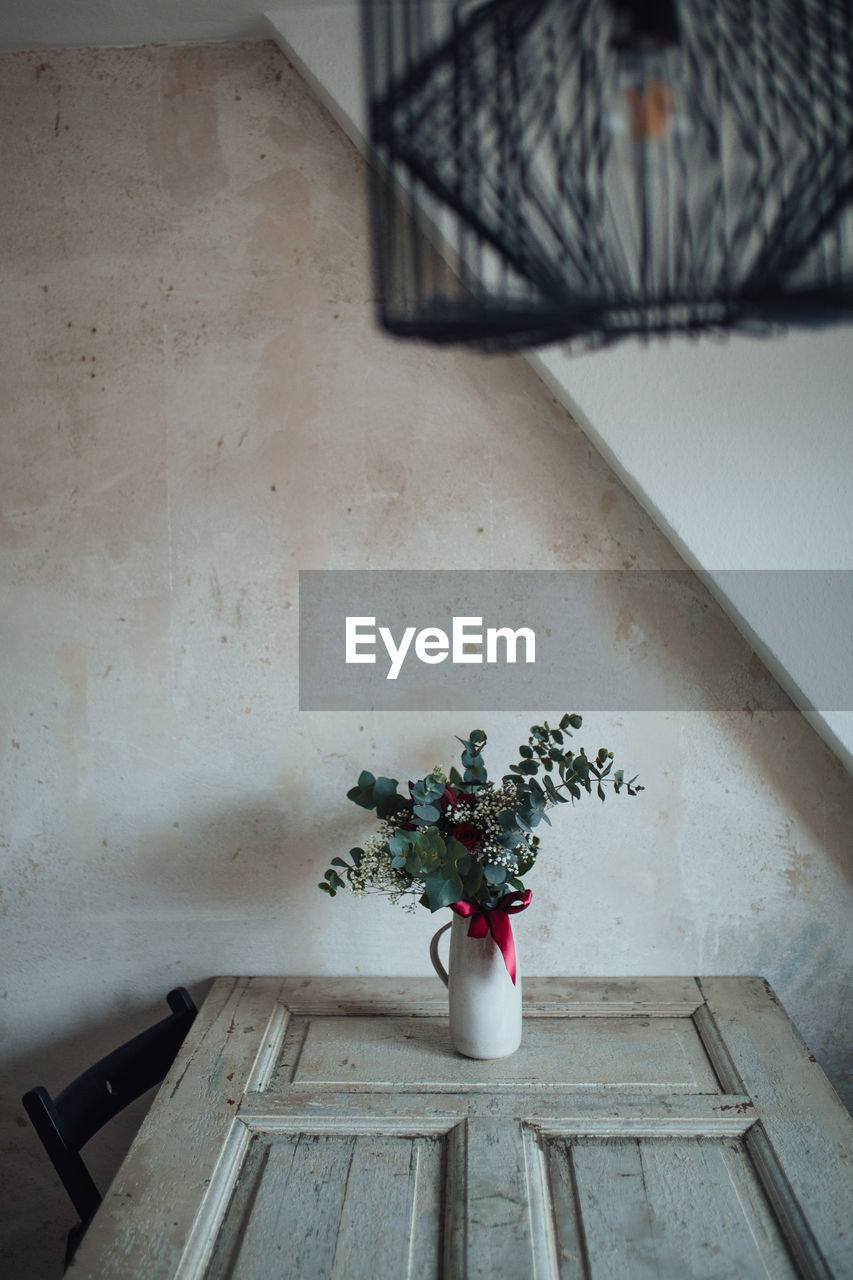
(375, 873)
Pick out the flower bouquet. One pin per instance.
(459, 840)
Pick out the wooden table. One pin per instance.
(674, 1128)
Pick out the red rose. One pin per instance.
(467, 834)
(450, 799)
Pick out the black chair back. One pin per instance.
(67, 1122)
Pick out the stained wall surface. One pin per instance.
(195, 406)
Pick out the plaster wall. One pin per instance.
(196, 406)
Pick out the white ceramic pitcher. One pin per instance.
(485, 1004)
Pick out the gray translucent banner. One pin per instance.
(592, 640)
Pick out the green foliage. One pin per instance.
(461, 837)
(546, 749)
(331, 882)
(379, 794)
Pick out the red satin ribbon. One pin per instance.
(496, 922)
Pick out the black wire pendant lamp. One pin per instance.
(579, 170)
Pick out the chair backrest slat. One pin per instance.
(119, 1078)
(67, 1122)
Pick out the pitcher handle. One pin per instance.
(433, 953)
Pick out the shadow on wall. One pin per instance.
(224, 865)
(241, 864)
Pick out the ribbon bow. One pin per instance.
(496, 921)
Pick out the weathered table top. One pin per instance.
(667, 1127)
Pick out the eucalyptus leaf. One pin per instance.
(362, 796)
(388, 805)
(472, 879)
(417, 865)
(511, 839)
(385, 786)
(441, 892)
(430, 840)
(456, 851)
